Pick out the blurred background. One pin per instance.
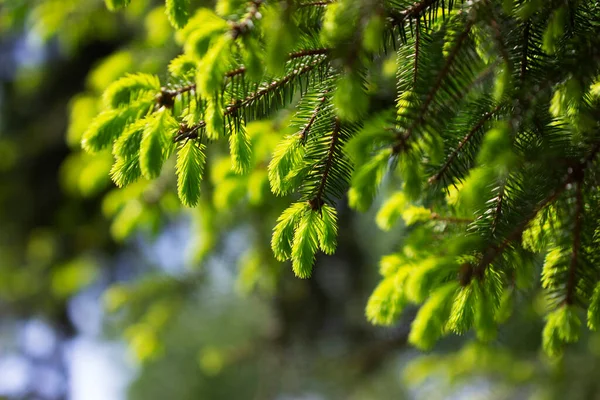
(123, 294)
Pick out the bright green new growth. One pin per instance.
(190, 164)
(486, 141)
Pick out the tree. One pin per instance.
(472, 124)
(493, 135)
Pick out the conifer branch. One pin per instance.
(501, 44)
(398, 18)
(317, 202)
(486, 117)
(571, 283)
(313, 117)
(316, 3)
(166, 97)
(575, 174)
(498, 209)
(243, 26)
(273, 86)
(454, 220)
(417, 40)
(438, 83)
(525, 46)
(233, 107)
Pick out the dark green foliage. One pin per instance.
(492, 142)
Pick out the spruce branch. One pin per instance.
(417, 43)
(238, 104)
(525, 55)
(167, 96)
(571, 283)
(484, 119)
(317, 202)
(414, 11)
(454, 220)
(436, 86)
(304, 131)
(574, 175)
(242, 27)
(498, 210)
(316, 3)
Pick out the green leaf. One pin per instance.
(327, 232)
(283, 233)
(189, 167)
(177, 12)
(156, 142)
(305, 244)
(241, 152)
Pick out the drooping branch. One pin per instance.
(486, 117)
(317, 202)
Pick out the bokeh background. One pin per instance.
(123, 294)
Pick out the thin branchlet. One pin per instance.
(245, 24)
(572, 281)
(437, 85)
(238, 104)
(304, 131)
(317, 202)
(486, 117)
(574, 174)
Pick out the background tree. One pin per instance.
(486, 151)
